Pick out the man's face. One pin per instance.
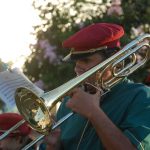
(83, 65)
(11, 143)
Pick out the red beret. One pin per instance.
(7, 120)
(94, 38)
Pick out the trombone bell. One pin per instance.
(33, 109)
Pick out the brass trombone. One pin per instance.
(37, 110)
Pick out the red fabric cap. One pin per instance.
(95, 36)
(7, 120)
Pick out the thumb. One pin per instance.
(98, 95)
(99, 92)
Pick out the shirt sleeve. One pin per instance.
(136, 124)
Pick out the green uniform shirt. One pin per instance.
(127, 105)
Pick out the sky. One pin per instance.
(17, 18)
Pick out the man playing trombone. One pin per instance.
(114, 119)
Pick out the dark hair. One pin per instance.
(109, 52)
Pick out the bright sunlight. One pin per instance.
(17, 18)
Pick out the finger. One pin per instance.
(98, 93)
(53, 136)
(74, 91)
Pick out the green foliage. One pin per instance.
(61, 20)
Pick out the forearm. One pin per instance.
(111, 137)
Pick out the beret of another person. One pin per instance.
(7, 120)
(99, 36)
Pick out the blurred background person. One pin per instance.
(18, 138)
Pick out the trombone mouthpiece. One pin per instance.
(33, 109)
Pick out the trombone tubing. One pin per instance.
(84, 76)
(129, 47)
(4, 135)
(76, 81)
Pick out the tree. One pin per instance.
(60, 19)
